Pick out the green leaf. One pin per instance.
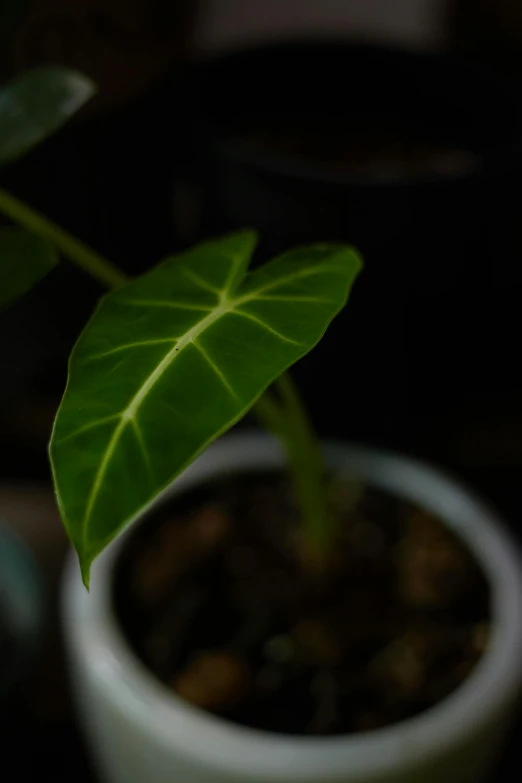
(24, 260)
(35, 105)
(171, 361)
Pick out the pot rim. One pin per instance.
(229, 749)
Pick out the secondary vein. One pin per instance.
(130, 411)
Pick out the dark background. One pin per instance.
(426, 357)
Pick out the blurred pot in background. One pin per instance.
(407, 155)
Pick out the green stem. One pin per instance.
(307, 466)
(85, 258)
(269, 413)
(289, 421)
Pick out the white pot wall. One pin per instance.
(142, 733)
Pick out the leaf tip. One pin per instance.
(247, 238)
(358, 258)
(85, 568)
(352, 258)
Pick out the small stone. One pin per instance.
(433, 568)
(213, 680)
(401, 663)
(176, 548)
(210, 525)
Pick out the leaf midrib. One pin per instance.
(225, 305)
(127, 415)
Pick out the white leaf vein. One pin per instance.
(217, 370)
(266, 327)
(91, 426)
(139, 437)
(170, 304)
(129, 346)
(224, 306)
(200, 281)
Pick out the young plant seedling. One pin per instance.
(171, 360)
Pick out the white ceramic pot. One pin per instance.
(140, 732)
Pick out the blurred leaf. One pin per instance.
(24, 260)
(172, 360)
(35, 105)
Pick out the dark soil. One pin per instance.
(215, 601)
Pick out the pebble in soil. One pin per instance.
(215, 602)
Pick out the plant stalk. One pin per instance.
(289, 421)
(88, 260)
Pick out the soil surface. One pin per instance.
(214, 598)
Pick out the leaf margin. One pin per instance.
(88, 555)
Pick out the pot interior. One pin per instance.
(220, 596)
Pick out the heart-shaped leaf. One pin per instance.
(171, 361)
(24, 260)
(35, 105)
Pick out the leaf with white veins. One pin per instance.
(171, 361)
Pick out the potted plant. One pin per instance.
(315, 614)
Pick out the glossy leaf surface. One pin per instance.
(171, 361)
